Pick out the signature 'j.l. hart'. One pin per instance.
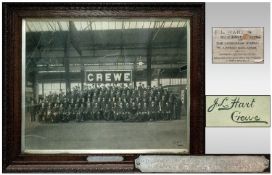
(236, 106)
(227, 104)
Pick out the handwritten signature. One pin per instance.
(227, 104)
(235, 103)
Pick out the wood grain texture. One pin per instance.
(13, 13)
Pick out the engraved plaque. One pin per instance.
(105, 158)
(238, 111)
(194, 164)
(238, 45)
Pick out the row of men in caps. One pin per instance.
(108, 103)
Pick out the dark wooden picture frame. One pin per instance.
(13, 13)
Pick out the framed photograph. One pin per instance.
(83, 80)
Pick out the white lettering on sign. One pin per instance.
(126, 76)
(90, 77)
(99, 77)
(117, 76)
(108, 76)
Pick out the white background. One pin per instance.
(237, 79)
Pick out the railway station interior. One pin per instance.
(85, 56)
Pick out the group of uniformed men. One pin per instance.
(113, 103)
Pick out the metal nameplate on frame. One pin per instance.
(105, 158)
(195, 164)
(238, 111)
(239, 45)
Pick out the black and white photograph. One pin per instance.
(111, 85)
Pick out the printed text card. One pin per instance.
(238, 45)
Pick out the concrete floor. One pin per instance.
(106, 135)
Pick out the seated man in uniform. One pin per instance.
(160, 110)
(133, 112)
(80, 115)
(163, 110)
(153, 111)
(68, 113)
(177, 108)
(42, 113)
(139, 116)
(145, 112)
(121, 112)
(55, 117)
(168, 111)
(126, 112)
(96, 111)
(48, 113)
(107, 112)
(115, 109)
(76, 112)
(87, 111)
(62, 116)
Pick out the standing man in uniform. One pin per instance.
(32, 110)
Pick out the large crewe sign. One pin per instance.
(108, 76)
